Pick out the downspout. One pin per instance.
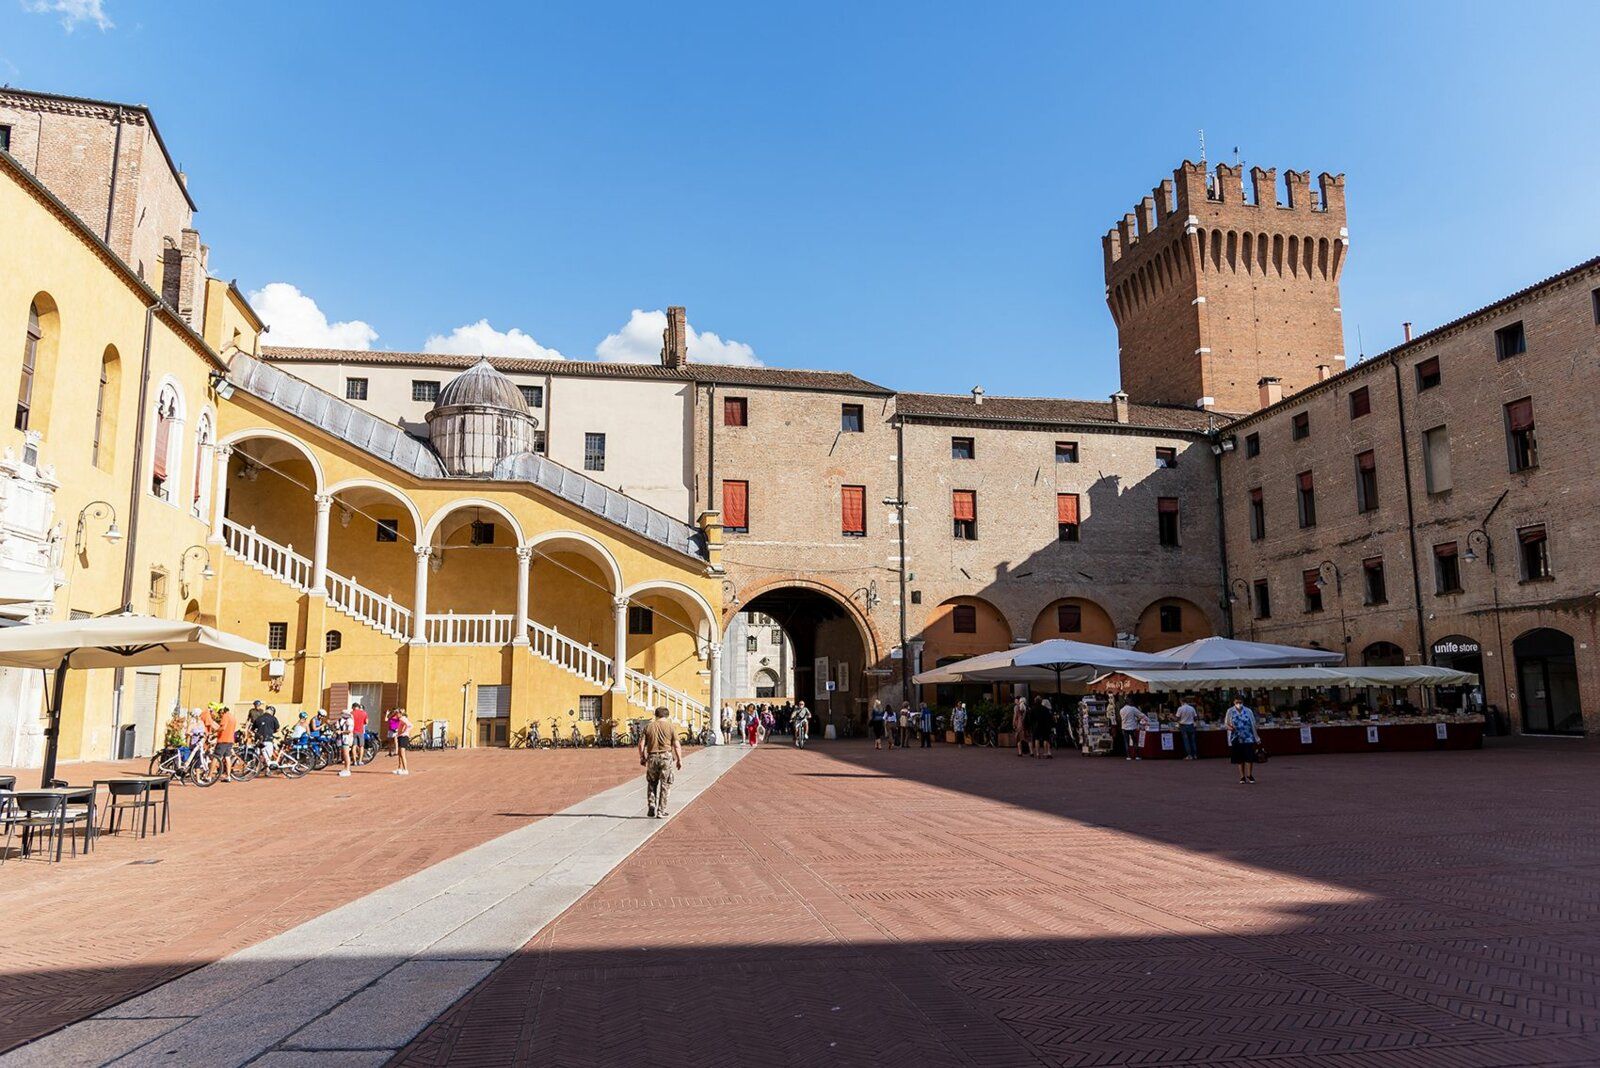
(1411, 517)
(1222, 526)
(900, 500)
(111, 193)
(711, 451)
(135, 497)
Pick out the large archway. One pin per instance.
(1547, 682)
(959, 628)
(271, 487)
(831, 642)
(1170, 622)
(1076, 619)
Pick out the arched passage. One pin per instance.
(272, 483)
(372, 530)
(669, 629)
(1170, 622)
(1547, 682)
(958, 628)
(474, 559)
(573, 581)
(831, 641)
(1383, 654)
(1075, 618)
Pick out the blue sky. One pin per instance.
(912, 192)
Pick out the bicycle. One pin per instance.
(185, 764)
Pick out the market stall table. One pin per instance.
(1398, 734)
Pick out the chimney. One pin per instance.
(977, 394)
(1324, 371)
(675, 339)
(1271, 391)
(1119, 406)
(1407, 328)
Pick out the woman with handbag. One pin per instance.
(1243, 739)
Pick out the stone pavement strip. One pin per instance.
(354, 985)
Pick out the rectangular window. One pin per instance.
(355, 389)
(1263, 600)
(1069, 618)
(277, 637)
(1306, 499)
(482, 533)
(158, 586)
(1436, 459)
(1171, 617)
(964, 619)
(1446, 568)
(30, 357)
(388, 530)
(1360, 403)
(1066, 452)
(853, 511)
(851, 419)
(532, 396)
(1166, 457)
(594, 452)
(1428, 373)
(776, 637)
(424, 390)
(1376, 589)
(964, 513)
(752, 644)
(5, 139)
(1167, 520)
(99, 414)
(1066, 517)
(641, 620)
(735, 506)
(1258, 515)
(1367, 481)
(1311, 584)
(1300, 426)
(1252, 445)
(1510, 341)
(1520, 443)
(539, 445)
(735, 411)
(590, 707)
(962, 449)
(1594, 299)
(1535, 553)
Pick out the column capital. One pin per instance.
(524, 553)
(324, 501)
(620, 603)
(222, 451)
(713, 650)
(422, 550)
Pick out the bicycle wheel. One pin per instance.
(291, 767)
(156, 761)
(203, 773)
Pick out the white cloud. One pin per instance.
(72, 12)
(297, 322)
(639, 341)
(480, 338)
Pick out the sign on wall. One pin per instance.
(821, 678)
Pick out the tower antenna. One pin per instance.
(1202, 147)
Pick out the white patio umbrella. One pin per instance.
(1216, 654)
(1055, 660)
(113, 642)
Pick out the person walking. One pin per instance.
(925, 725)
(752, 727)
(1041, 726)
(400, 732)
(800, 722)
(878, 728)
(1134, 724)
(903, 721)
(1243, 739)
(1019, 724)
(1186, 727)
(344, 726)
(661, 756)
(958, 722)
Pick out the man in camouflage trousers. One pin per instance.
(662, 757)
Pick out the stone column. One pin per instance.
(714, 662)
(524, 560)
(319, 551)
(419, 618)
(619, 646)
(219, 490)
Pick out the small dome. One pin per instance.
(482, 385)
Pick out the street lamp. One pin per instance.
(96, 510)
(183, 564)
(1326, 571)
(1480, 536)
(1240, 595)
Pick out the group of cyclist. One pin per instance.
(213, 733)
(752, 724)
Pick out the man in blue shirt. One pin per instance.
(925, 726)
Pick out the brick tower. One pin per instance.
(1212, 291)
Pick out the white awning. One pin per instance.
(1285, 678)
(24, 587)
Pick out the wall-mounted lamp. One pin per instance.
(220, 385)
(183, 565)
(96, 510)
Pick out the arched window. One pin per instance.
(202, 470)
(105, 409)
(332, 641)
(30, 362)
(169, 432)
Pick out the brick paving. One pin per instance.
(246, 861)
(844, 907)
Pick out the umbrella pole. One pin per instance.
(53, 732)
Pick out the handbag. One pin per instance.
(1261, 752)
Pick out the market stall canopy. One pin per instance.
(1057, 660)
(1283, 678)
(1218, 653)
(122, 641)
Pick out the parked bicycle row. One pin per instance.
(209, 745)
(606, 734)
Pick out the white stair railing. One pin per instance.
(550, 644)
(280, 561)
(476, 628)
(649, 693)
(369, 606)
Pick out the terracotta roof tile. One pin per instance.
(1047, 410)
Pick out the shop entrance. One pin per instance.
(1547, 682)
(832, 653)
(1459, 653)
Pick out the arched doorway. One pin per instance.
(1077, 619)
(1459, 653)
(1547, 682)
(835, 658)
(1383, 654)
(1170, 622)
(959, 628)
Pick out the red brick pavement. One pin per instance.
(844, 907)
(245, 861)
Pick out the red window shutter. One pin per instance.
(964, 504)
(1367, 461)
(163, 437)
(1255, 495)
(1520, 414)
(1069, 618)
(1531, 535)
(1305, 480)
(390, 698)
(339, 698)
(1448, 549)
(1310, 580)
(853, 509)
(1066, 508)
(1167, 505)
(733, 411)
(736, 504)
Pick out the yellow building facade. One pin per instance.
(194, 481)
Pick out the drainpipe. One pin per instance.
(1411, 519)
(900, 502)
(711, 451)
(111, 193)
(1222, 525)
